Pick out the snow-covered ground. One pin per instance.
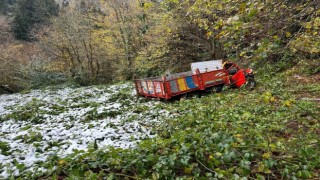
(41, 124)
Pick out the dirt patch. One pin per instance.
(305, 87)
(302, 79)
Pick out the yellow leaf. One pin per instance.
(188, 170)
(155, 176)
(266, 155)
(273, 146)
(268, 171)
(268, 94)
(287, 103)
(62, 162)
(272, 99)
(314, 50)
(242, 54)
(266, 99)
(261, 167)
(147, 5)
(308, 25)
(288, 34)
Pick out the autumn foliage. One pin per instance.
(106, 41)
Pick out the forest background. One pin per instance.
(47, 42)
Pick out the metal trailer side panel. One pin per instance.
(150, 88)
(213, 78)
(191, 83)
(181, 85)
(173, 86)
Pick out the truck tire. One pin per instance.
(218, 88)
(251, 83)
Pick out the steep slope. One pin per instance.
(96, 132)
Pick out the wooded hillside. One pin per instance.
(105, 41)
(73, 118)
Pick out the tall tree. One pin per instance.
(29, 13)
(173, 40)
(124, 26)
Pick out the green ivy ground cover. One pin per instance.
(55, 122)
(268, 133)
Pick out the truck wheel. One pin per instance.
(218, 88)
(214, 89)
(251, 83)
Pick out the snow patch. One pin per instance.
(70, 119)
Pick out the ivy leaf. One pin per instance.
(242, 53)
(266, 155)
(188, 170)
(308, 25)
(155, 176)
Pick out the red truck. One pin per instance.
(204, 76)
